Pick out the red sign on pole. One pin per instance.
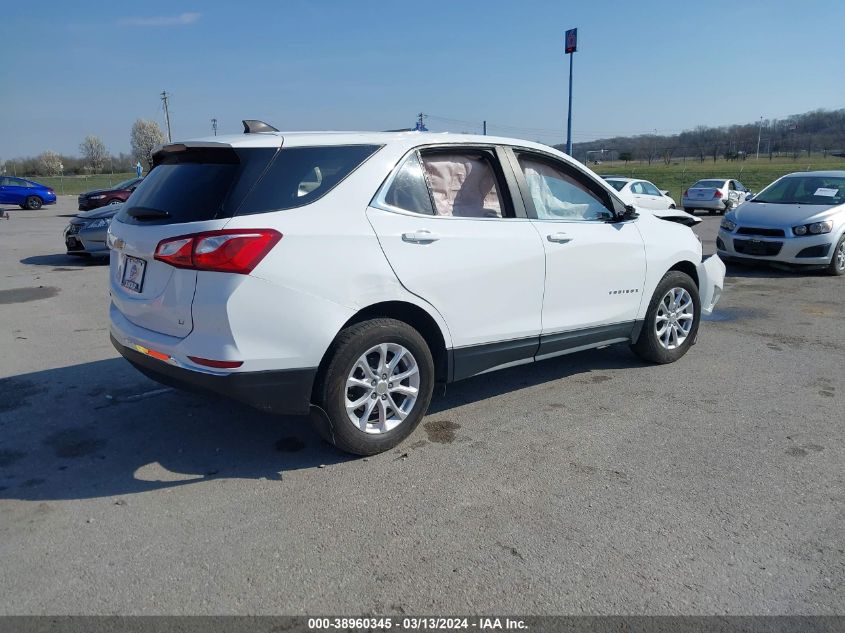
(571, 40)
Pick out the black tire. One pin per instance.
(648, 346)
(836, 267)
(690, 211)
(33, 203)
(711, 212)
(330, 388)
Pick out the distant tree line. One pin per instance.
(93, 157)
(819, 132)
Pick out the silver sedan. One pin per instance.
(86, 233)
(798, 219)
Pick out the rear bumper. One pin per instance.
(714, 204)
(286, 391)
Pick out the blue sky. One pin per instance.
(76, 68)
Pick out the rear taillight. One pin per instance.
(717, 193)
(686, 192)
(228, 251)
(217, 364)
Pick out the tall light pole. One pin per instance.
(759, 132)
(214, 126)
(571, 47)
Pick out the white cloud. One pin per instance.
(162, 20)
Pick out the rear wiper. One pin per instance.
(145, 213)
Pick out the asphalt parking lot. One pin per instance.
(586, 484)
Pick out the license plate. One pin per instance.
(133, 273)
(755, 248)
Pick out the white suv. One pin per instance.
(345, 274)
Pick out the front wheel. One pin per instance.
(33, 203)
(376, 386)
(837, 262)
(671, 323)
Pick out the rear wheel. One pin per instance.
(33, 203)
(837, 262)
(671, 323)
(376, 386)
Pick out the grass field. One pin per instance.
(74, 185)
(677, 176)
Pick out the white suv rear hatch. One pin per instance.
(192, 188)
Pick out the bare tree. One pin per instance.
(144, 138)
(94, 152)
(50, 163)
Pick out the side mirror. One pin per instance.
(630, 213)
(749, 196)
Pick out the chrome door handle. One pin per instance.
(560, 238)
(420, 237)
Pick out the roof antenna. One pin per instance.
(254, 126)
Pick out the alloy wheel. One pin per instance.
(382, 388)
(674, 319)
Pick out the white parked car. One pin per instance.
(715, 195)
(345, 274)
(641, 193)
(798, 219)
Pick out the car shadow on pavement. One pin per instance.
(61, 259)
(101, 429)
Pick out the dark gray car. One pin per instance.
(86, 233)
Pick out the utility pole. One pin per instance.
(164, 98)
(570, 48)
(759, 132)
(485, 128)
(214, 126)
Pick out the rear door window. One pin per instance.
(464, 183)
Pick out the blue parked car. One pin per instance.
(25, 193)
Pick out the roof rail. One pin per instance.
(254, 126)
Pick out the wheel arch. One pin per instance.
(415, 316)
(688, 268)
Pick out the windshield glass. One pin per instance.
(709, 184)
(617, 184)
(826, 190)
(126, 183)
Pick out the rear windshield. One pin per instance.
(708, 184)
(617, 184)
(208, 183)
